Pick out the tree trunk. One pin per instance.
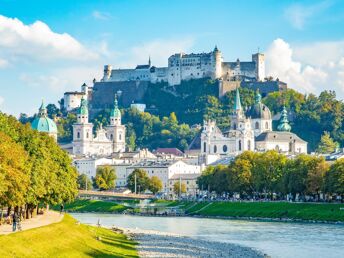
(9, 208)
(37, 209)
(26, 211)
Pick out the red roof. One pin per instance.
(173, 151)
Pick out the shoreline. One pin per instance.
(163, 244)
(256, 219)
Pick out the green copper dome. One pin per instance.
(43, 123)
(284, 123)
(115, 112)
(83, 109)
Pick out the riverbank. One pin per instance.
(67, 238)
(160, 244)
(267, 211)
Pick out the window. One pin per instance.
(249, 144)
(234, 126)
(120, 136)
(111, 137)
(239, 145)
(215, 149)
(87, 135)
(224, 148)
(204, 147)
(256, 125)
(266, 125)
(78, 135)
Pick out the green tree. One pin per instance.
(84, 183)
(142, 180)
(334, 178)
(155, 185)
(179, 188)
(105, 177)
(326, 144)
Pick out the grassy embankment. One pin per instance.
(273, 210)
(67, 239)
(82, 205)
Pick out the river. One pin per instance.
(276, 239)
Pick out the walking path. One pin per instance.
(49, 217)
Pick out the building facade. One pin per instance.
(183, 66)
(107, 141)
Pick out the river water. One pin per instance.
(276, 239)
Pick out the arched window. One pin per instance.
(224, 148)
(87, 134)
(239, 145)
(249, 144)
(234, 126)
(120, 137)
(290, 146)
(215, 149)
(78, 135)
(266, 125)
(256, 125)
(204, 147)
(111, 137)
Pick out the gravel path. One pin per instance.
(157, 244)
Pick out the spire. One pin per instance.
(216, 49)
(258, 97)
(149, 61)
(42, 109)
(115, 112)
(83, 109)
(284, 123)
(237, 102)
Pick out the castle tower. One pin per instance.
(107, 72)
(217, 63)
(116, 131)
(82, 131)
(259, 59)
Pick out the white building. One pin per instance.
(250, 130)
(72, 99)
(183, 66)
(88, 166)
(165, 170)
(107, 141)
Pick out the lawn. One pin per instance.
(82, 205)
(304, 211)
(67, 239)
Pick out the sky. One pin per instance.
(49, 47)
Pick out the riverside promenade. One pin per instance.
(47, 218)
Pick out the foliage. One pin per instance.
(334, 178)
(80, 205)
(34, 167)
(142, 181)
(84, 183)
(326, 144)
(179, 188)
(105, 177)
(155, 185)
(67, 239)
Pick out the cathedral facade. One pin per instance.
(250, 130)
(107, 140)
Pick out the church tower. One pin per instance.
(82, 131)
(116, 131)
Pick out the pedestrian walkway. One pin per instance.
(49, 217)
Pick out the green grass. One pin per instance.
(67, 239)
(304, 211)
(81, 205)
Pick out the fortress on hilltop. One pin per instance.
(183, 66)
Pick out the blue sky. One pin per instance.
(48, 47)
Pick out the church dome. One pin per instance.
(43, 123)
(258, 110)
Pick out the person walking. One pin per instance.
(14, 222)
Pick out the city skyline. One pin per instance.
(46, 49)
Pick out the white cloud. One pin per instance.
(38, 42)
(159, 50)
(298, 14)
(305, 72)
(98, 15)
(3, 63)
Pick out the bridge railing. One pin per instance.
(114, 194)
